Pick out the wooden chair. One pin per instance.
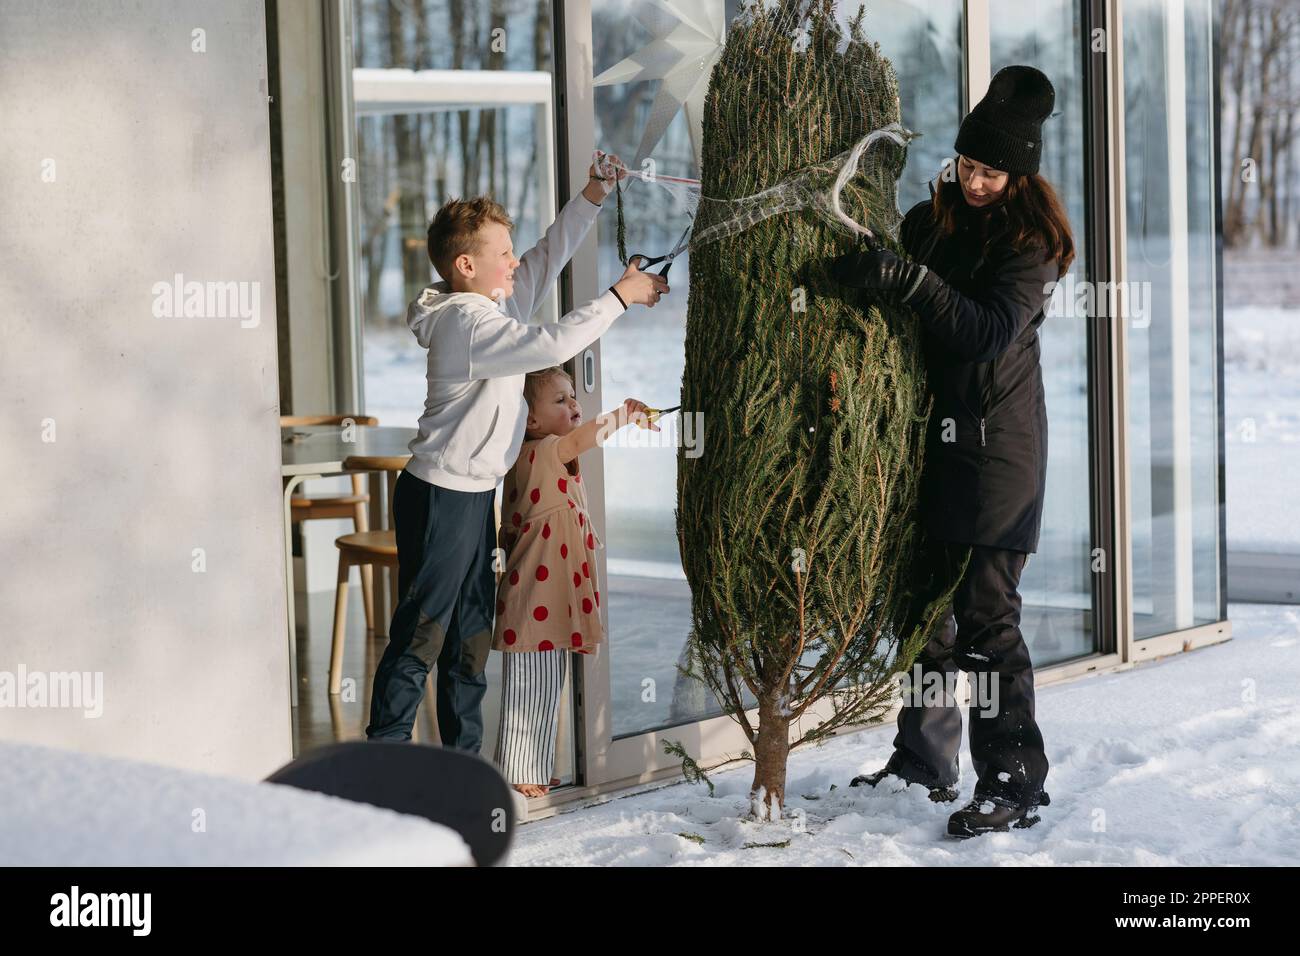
(303, 507)
(363, 549)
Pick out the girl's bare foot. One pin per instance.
(530, 789)
(555, 781)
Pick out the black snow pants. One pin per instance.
(982, 637)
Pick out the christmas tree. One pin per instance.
(797, 523)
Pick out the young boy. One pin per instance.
(474, 324)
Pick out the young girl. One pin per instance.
(548, 599)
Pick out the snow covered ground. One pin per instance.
(1262, 426)
(1189, 761)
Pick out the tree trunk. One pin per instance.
(1262, 119)
(456, 14)
(408, 166)
(771, 752)
(493, 59)
(541, 36)
(1236, 47)
(1275, 156)
(1283, 154)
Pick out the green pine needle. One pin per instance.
(691, 770)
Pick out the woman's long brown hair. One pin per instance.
(1034, 215)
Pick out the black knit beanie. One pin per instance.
(1005, 129)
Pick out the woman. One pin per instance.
(983, 253)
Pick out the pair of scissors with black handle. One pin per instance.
(666, 259)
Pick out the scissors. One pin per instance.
(654, 414)
(667, 259)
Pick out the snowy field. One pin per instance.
(1187, 761)
(1261, 357)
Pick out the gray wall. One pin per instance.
(164, 430)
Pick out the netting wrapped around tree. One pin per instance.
(797, 524)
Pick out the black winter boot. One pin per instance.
(988, 813)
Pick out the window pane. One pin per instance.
(1261, 307)
(1057, 583)
(649, 600)
(1173, 434)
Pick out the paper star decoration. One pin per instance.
(688, 40)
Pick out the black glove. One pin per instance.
(878, 270)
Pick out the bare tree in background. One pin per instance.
(494, 58)
(410, 157)
(541, 61)
(456, 14)
(1259, 59)
(377, 209)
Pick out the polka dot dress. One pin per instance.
(548, 598)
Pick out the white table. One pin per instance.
(318, 451)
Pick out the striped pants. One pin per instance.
(530, 711)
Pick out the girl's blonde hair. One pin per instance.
(534, 382)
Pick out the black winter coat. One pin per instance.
(986, 445)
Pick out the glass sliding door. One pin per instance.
(649, 601)
(453, 99)
(1174, 433)
(1057, 586)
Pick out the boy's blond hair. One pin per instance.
(454, 231)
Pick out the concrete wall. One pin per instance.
(142, 530)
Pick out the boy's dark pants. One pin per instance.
(447, 593)
(982, 637)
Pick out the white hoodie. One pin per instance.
(475, 414)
